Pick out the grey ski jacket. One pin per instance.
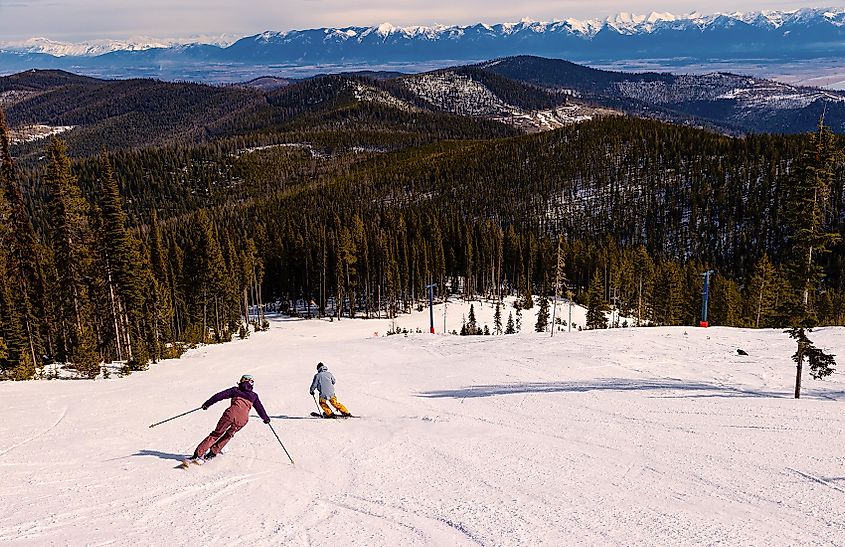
(323, 381)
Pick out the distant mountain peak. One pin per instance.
(801, 34)
(626, 23)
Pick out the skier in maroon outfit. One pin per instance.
(233, 419)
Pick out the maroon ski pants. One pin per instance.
(228, 425)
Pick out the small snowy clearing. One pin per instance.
(654, 436)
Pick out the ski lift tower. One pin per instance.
(431, 305)
(705, 296)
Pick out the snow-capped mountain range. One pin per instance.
(624, 23)
(93, 48)
(801, 34)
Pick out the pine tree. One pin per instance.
(527, 299)
(23, 264)
(497, 319)
(472, 324)
(644, 267)
(807, 212)
(762, 294)
(509, 328)
(348, 259)
(206, 282)
(122, 268)
(667, 294)
(725, 302)
(162, 288)
(821, 363)
(807, 209)
(518, 319)
(560, 279)
(542, 315)
(72, 257)
(597, 306)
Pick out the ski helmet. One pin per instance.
(247, 378)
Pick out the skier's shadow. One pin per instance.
(162, 455)
(286, 417)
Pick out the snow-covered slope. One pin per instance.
(628, 436)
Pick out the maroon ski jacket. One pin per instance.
(243, 398)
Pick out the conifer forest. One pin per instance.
(140, 234)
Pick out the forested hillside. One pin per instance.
(354, 194)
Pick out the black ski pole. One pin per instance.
(280, 442)
(174, 417)
(319, 408)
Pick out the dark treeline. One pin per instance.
(133, 255)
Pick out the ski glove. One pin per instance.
(267, 421)
(204, 407)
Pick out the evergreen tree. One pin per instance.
(667, 294)
(472, 324)
(162, 287)
(69, 240)
(821, 363)
(206, 271)
(23, 263)
(597, 306)
(560, 278)
(497, 319)
(762, 294)
(542, 315)
(527, 299)
(347, 255)
(807, 212)
(509, 328)
(644, 268)
(725, 302)
(122, 268)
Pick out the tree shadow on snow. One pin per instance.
(686, 389)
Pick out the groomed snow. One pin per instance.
(656, 436)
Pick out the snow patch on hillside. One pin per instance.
(748, 92)
(370, 94)
(458, 94)
(29, 133)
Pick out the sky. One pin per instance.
(79, 20)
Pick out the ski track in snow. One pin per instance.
(36, 436)
(630, 436)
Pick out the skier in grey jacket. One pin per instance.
(324, 383)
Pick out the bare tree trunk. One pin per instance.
(204, 318)
(124, 320)
(261, 302)
(640, 302)
(246, 308)
(217, 330)
(798, 371)
(114, 316)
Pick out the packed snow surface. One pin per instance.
(656, 436)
